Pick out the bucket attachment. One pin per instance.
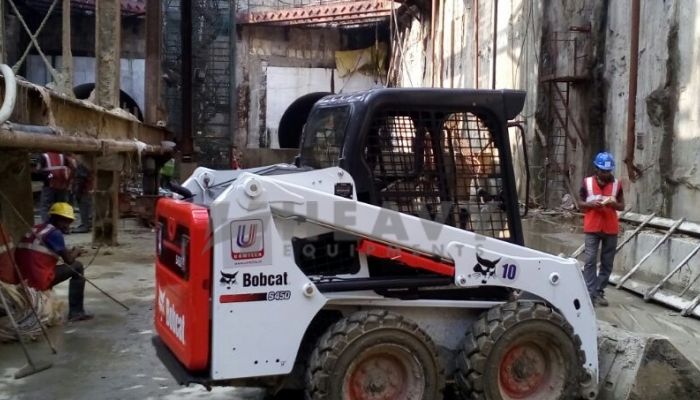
(638, 366)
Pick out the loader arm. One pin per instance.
(274, 207)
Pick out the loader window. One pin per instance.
(400, 158)
(323, 137)
(439, 166)
(474, 175)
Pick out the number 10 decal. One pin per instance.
(510, 272)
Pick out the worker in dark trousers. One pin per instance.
(39, 251)
(82, 190)
(601, 199)
(56, 170)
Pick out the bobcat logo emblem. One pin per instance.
(228, 279)
(484, 268)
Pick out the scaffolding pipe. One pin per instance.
(8, 103)
(476, 47)
(28, 139)
(186, 142)
(495, 44)
(656, 246)
(687, 227)
(632, 171)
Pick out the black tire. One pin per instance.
(375, 354)
(520, 350)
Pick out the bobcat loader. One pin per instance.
(386, 263)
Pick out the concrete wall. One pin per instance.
(454, 59)
(667, 107)
(276, 65)
(131, 76)
(661, 262)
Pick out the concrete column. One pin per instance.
(107, 52)
(154, 27)
(106, 199)
(16, 204)
(67, 55)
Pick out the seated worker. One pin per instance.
(38, 253)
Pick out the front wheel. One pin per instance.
(520, 351)
(375, 355)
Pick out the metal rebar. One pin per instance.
(658, 244)
(650, 292)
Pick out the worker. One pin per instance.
(56, 170)
(38, 252)
(168, 182)
(600, 199)
(82, 190)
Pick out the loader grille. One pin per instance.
(439, 166)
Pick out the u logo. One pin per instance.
(246, 235)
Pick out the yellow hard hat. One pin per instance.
(62, 209)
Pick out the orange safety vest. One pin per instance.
(8, 274)
(601, 220)
(57, 169)
(36, 262)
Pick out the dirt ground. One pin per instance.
(111, 357)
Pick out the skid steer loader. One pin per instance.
(386, 263)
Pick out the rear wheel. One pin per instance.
(374, 355)
(520, 351)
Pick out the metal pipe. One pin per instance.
(495, 44)
(632, 171)
(21, 139)
(233, 93)
(519, 126)
(432, 43)
(693, 304)
(8, 103)
(656, 246)
(476, 38)
(688, 228)
(38, 129)
(650, 293)
(186, 141)
(635, 232)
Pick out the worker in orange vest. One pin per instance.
(38, 253)
(601, 199)
(57, 172)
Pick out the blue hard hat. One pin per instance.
(604, 161)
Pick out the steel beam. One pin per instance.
(73, 119)
(328, 13)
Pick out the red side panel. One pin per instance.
(404, 257)
(183, 281)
